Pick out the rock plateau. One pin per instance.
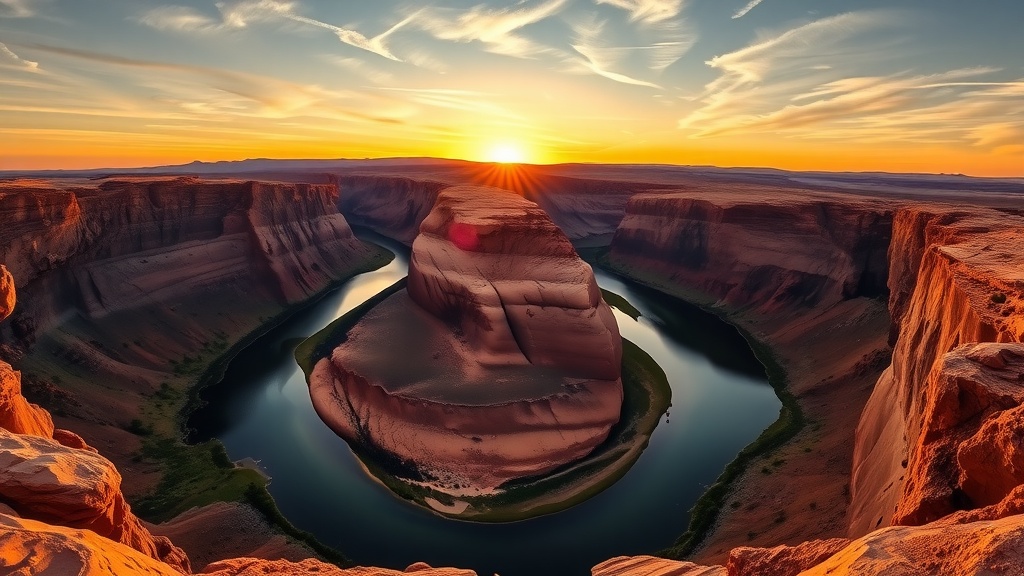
(516, 356)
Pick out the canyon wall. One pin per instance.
(392, 206)
(763, 251)
(957, 277)
(136, 285)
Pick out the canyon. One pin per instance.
(890, 320)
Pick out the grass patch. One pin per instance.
(620, 303)
(193, 475)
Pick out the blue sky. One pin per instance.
(912, 85)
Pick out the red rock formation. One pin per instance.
(494, 264)
(310, 567)
(782, 560)
(32, 547)
(516, 355)
(174, 239)
(981, 547)
(7, 292)
(956, 279)
(985, 547)
(43, 480)
(16, 414)
(653, 566)
(766, 250)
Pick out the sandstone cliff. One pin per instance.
(766, 251)
(511, 359)
(389, 205)
(927, 439)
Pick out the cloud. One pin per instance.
(493, 27)
(236, 94)
(361, 68)
(743, 11)
(648, 11)
(813, 82)
(239, 15)
(17, 8)
(7, 54)
(600, 59)
(375, 44)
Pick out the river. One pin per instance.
(720, 402)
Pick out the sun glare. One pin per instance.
(506, 153)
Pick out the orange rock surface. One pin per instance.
(29, 547)
(7, 292)
(44, 480)
(310, 567)
(16, 414)
(957, 277)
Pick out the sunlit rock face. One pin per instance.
(500, 361)
(44, 480)
(928, 439)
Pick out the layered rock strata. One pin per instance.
(516, 357)
(939, 432)
(763, 251)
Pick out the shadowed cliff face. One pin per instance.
(390, 205)
(956, 279)
(770, 254)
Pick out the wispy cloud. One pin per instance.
(743, 11)
(239, 15)
(17, 8)
(7, 54)
(648, 11)
(234, 93)
(601, 59)
(361, 68)
(813, 82)
(495, 27)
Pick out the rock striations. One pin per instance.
(940, 431)
(768, 250)
(515, 358)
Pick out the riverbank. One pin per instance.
(194, 476)
(647, 396)
(822, 364)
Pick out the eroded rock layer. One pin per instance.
(516, 356)
(957, 278)
(766, 250)
(494, 265)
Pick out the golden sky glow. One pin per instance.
(896, 86)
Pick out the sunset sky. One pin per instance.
(914, 85)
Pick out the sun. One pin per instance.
(505, 153)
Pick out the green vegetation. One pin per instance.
(620, 303)
(201, 474)
(791, 420)
(193, 475)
